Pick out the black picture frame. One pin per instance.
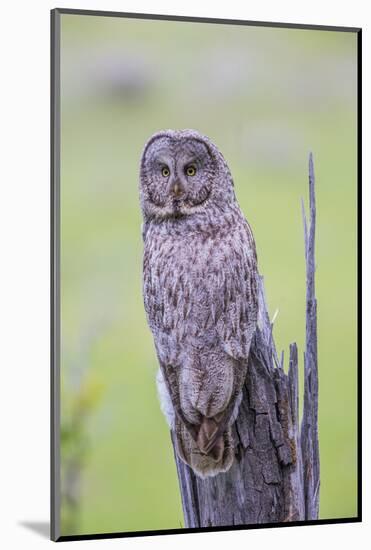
(55, 125)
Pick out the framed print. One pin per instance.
(205, 186)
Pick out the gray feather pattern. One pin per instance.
(200, 292)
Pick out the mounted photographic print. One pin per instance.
(205, 370)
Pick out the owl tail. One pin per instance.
(218, 459)
(206, 440)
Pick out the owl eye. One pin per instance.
(191, 170)
(165, 172)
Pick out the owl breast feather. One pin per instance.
(200, 292)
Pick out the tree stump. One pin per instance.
(275, 475)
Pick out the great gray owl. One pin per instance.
(200, 292)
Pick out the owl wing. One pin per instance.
(236, 316)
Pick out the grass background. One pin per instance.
(266, 97)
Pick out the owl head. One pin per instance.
(183, 173)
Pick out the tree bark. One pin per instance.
(275, 475)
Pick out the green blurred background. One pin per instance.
(266, 97)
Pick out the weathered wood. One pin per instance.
(275, 475)
(309, 426)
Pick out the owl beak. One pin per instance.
(177, 188)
